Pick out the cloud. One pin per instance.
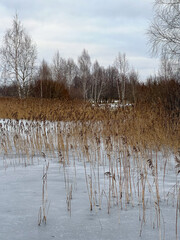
(101, 8)
(103, 27)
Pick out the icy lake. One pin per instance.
(90, 192)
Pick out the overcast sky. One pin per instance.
(103, 27)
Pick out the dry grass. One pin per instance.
(123, 144)
(143, 126)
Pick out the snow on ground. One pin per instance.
(21, 184)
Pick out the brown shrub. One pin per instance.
(49, 89)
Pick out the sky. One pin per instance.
(103, 27)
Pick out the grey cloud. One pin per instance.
(104, 27)
(82, 8)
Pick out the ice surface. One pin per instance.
(21, 198)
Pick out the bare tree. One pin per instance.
(122, 65)
(164, 31)
(166, 67)
(72, 71)
(134, 80)
(84, 67)
(44, 75)
(97, 81)
(18, 55)
(59, 68)
(110, 86)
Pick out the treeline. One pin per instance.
(65, 79)
(84, 79)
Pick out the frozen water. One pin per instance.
(21, 198)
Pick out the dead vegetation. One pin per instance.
(142, 125)
(124, 152)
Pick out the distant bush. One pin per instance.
(49, 89)
(9, 90)
(160, 93)
(38, 89)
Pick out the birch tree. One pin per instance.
(134, 80)
(166, 67)
(84, 68)
(18, 56)
(64, 70)
(59, 68)
(164, 30)
(164, 35)
(72, 71)
(97, 82)
(122, 65)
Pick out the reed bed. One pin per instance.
(143, 124)
(126, 153)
